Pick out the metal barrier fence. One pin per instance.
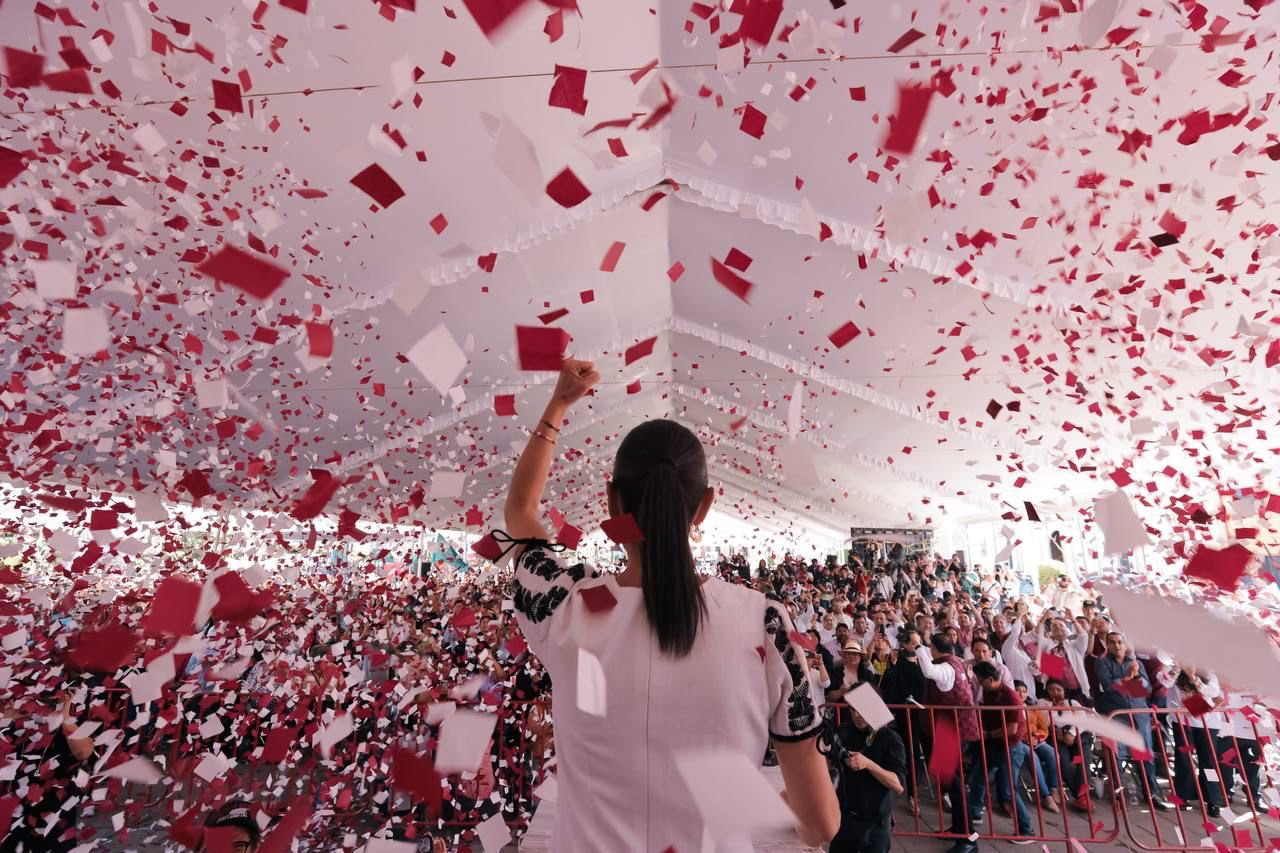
(1200, 758)
(1050, 788)
(986, 765)
(1072, 789)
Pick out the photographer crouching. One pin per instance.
(873, 765)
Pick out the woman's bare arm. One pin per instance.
(809, 791)
(530, 477)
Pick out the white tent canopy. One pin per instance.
(1021, 338)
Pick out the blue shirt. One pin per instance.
(1109, 697)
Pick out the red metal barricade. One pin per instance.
(1199, 760)
(1076, 819)
(1190, 769)
(1192, 766)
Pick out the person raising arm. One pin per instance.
(693, 663)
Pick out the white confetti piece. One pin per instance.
(438, 358)
(85, 331)
(464, 737)
(54, 279)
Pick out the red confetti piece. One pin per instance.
(908, 118)
(638, 75)
(569, 536)
(540, 348)
(490, 15)
(416, 775)
(616, 147)
(611, 257)
(104, 650)
(102, 519)
(196, 483)
(566, 190)
(319, 340)
(486, 546)
(675, 271)
(652, 200)
(23, 68)
(318, 496)
(280, 838)
(568, 88)
(74, 81)
(1196, 704)
(598, 598)
(504, 405)
(759, 20)
(1221, 567)
(844, 334)
(905, 40)
(638, 351)
(554, 27)
(1271, 359)
(173, 609)
(809, 644)
(378, 185)
(1053, 666)
(279, 740)
(226, 96)
(731, 281)
(737, 259)
(12, 164)
(439, 223)
(587, 297)
(623, 529)
(237, 603)
(244, 271)
(753, 122)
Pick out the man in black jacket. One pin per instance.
(873, 767)
(903, 682)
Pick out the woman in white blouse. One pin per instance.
(656, 661)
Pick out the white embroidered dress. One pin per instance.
(618, 789)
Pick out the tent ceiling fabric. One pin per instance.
(1068, 277)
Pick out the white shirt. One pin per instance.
(941, 674)
(1209, 691)
(618, 786)
(1016, 657)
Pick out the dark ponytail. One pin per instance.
(660, 477)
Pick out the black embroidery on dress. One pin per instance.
(537, 562)
(539, 606)
(801, 714)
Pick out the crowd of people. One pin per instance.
(942, 643)
(297, 707)
(115, 729)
